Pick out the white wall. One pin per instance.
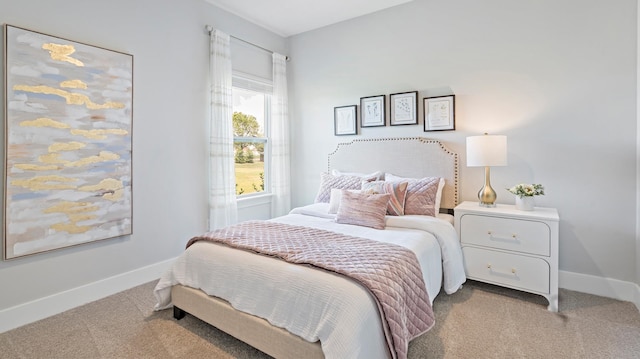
(638, 165)
(170, 49)
(557, 77)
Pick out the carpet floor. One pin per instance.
(479, 321)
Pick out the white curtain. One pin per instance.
(280, 154)
(223, 209)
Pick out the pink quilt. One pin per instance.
(390, 272)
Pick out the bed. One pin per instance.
(293, 311)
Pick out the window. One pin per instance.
(251, 113)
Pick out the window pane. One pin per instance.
(249, 166)
(248, 113)
(249, 147)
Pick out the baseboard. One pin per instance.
(30, 312)
(604, 287)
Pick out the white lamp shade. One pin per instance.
(487, 150)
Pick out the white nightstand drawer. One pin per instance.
(506, 233)
(512, 270)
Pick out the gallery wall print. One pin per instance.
(372, 111)
(404, 108)
(439, 113)
(68, 122)
(344, 120)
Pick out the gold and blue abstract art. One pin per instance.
(67, 143)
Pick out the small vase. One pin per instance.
(525, 203)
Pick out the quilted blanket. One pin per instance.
(390, 272)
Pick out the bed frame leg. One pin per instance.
(178, 313)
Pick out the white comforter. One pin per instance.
(312, 303)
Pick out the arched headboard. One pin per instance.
(415, 157)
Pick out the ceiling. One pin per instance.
(291, 17)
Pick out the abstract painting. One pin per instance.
(67, 138)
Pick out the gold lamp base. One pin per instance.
(487, 196)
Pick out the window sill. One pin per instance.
(252, 201)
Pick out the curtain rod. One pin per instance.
(210, 29)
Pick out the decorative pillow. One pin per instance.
(336, 196)
(329, 181)
(375, 176)
(439, 194)
(391, 177)
(363, 209)
(421, 194)
(397, 190)
(334, 200)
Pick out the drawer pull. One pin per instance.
(513, 270)
(513, 236)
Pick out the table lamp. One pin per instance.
(487, 151)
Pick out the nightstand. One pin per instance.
(511, 248)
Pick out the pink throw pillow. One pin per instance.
(328, 181)
(421, 196)
(361, 209)
(397, 190)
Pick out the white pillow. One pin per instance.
(393, 178)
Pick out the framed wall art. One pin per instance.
(68, 111)
(439, 113)
(404, 108)
(344, 118)
(372, 111)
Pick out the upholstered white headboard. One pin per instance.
(406, 157)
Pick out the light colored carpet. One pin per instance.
(479, 321)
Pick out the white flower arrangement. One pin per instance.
(527, 190)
